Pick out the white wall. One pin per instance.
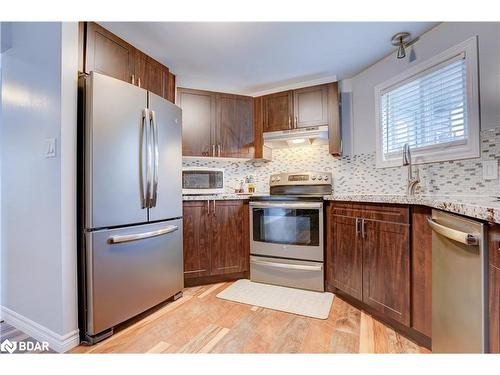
(39, 86)
(430, 44)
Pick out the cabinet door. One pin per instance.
(277, 111)
(107, 54)
(421, 270)
(494, 297)
(386, 269)
(229, 233)
(170, 93)
(310, 106)
(196, 239)
(235, 128)
(149, 74)
(344, 258)
(198, 119)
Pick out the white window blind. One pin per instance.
(426, 110)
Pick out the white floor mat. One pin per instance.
(295, 301)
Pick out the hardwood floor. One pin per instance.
(199, 322)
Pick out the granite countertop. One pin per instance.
(482, 207)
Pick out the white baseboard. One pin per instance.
(58, 343)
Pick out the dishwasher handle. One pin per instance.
(453, 234)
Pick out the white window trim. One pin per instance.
(467, 150)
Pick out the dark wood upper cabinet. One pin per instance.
(301, 108)
(216, 124)
(277, 111)
(421, 270)
(235, 127)
(170, 94)
(216, 238)
(345, 257)
(386, 268)
(196, 244)
(230, 244)
(103, 52)
(150, 74)
(198, 122)
(310, 106)
(107, 54)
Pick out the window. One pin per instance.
(432, 107)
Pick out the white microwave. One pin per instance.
(202, 180)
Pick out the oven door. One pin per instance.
(287, 229)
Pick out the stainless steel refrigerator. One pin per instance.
(131, 246)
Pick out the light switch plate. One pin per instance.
(490, 169)
(50, 148)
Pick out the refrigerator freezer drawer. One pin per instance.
(130, 270)
(287, 272)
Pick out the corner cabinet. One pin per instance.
(103, 52)
(302, 108)
(216, 240)
(368, 256)
(216, 124)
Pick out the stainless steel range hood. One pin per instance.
(315, 135)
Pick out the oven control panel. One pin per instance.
(301, 178)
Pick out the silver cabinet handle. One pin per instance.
(142, 236)
(357, 227)
(154, 190)
(213, 209)
(296, 121)
(208, 206)
(363, 231)
(132, 80)
(287, 265)
(219, 147)
(290, 122)
(139, 81)
(453, 234)
(213, 150)
(314, 205)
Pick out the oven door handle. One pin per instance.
(292, 205)
(287, 265)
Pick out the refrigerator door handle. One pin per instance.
(146, 192)
(142, 236)
(154, 130)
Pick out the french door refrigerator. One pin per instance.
(131, 257)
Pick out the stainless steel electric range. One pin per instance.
(287, 244)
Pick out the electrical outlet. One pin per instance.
(490, 169)
(50, 148)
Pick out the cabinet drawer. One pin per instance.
(372, 211)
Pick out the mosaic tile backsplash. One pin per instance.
(357, 174)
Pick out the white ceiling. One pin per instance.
(258, 56)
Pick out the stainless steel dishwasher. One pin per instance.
(459, 284)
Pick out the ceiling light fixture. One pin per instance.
(402, 40)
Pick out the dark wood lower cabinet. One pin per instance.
(368, 260)
(216, 239)
(345, 272)
(421, 270)
(494, 309)
(229, 245)
(196, 243)
(386, 268)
